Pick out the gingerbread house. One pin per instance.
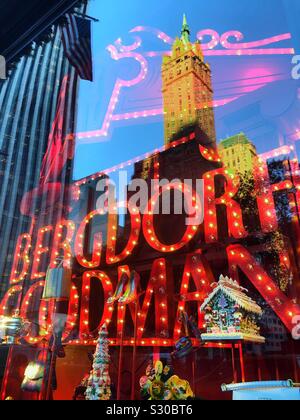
(230, 314)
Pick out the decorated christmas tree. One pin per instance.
(99, 382)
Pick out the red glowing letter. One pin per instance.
(85, 333)
(111, 257)
(63, 236)
(157, 291)
(7, 297)
(79, 244)
(73, 314)
(236, 227)
(29, 309)
(148, 220)
(239, 257)
(197, 269)
(265, 197)
(40, 250)
(21, 258)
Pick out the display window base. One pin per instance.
(233, 337)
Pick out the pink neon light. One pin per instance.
(216, 39)
(275, 153)
(131, 162)
(247, 48)
(140, 114)
(268, 51)
(117, 89)
(128, 48)
(159, 34)
(256, 44)
(137, 115)
(119, 51)
(224, 53)
(284, 150)
(295, 136)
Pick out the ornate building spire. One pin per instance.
(185, 32)
(187, 90)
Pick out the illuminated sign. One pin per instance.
(115, 254)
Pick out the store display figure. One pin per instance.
(131, 293)
(184, 346)
(127, 289)
(33, 377)
(13, 328)
(160, 384)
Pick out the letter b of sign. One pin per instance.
(296, 329)
(296, 69)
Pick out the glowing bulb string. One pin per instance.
(223, 39)
(209, 155)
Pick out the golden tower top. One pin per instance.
(183, 44)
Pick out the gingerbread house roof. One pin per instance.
(235, 292)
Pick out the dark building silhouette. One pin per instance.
(29, 101)
(19, 30)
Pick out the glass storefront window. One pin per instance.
(149, 205)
